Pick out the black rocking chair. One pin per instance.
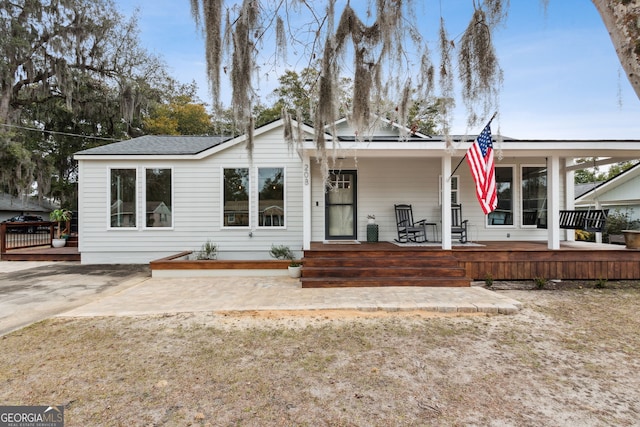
(458, 225)
(408, 230)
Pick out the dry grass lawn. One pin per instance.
(570, 357)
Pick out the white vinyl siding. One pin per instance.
(197, 203)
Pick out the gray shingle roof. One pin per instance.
(15, 204)
(158, 145)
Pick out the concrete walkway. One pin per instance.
(31, 291)
(215, 294)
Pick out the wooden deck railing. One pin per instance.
(17, 235)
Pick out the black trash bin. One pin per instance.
(372, 233)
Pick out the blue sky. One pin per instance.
(562, 78)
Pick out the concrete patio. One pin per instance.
(221, 294)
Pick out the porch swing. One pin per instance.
(591, 221)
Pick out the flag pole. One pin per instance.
(465, 154)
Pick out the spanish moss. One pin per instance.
(383, 52)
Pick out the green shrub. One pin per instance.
(209, 250)
(618, 221)
(488, 280)
(540, 282)
(601, 283)
(283, 252)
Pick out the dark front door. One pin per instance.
(340, 205)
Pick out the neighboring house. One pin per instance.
(583, 188)
(12, 206)
(620, 193)
(212, 189)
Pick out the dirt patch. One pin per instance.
(550, 285)
(569, 357)
(319, 315)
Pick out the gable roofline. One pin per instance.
(193, 147)
(9, 203)
(257, 132)
(154, 147)
(610, 184)
(151, 146)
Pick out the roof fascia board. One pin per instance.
(135, 156)
(261, 130)
(239, 139)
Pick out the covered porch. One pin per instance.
(534, 181)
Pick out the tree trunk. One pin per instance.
(622, 19)
(5, 100)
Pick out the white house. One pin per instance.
(620, 193)
(212, 189)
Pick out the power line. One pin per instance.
(59, 133)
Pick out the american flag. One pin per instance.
(480, 160)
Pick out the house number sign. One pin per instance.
(305, 174)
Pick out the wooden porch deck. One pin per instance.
(35, 246)
(42, 253)
(387, 264)
(499, 260)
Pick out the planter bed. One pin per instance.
(180, 265)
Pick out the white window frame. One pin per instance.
(144, 197)
(136, 201)
(284, 197)
(250, 198)
(515, 190)
(521, 198)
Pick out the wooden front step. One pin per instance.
(353, 282)
(72, 242)
(373, 268)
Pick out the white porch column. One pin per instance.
(569, 196)
(446, 201)
(553, 202)
(306, 203)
